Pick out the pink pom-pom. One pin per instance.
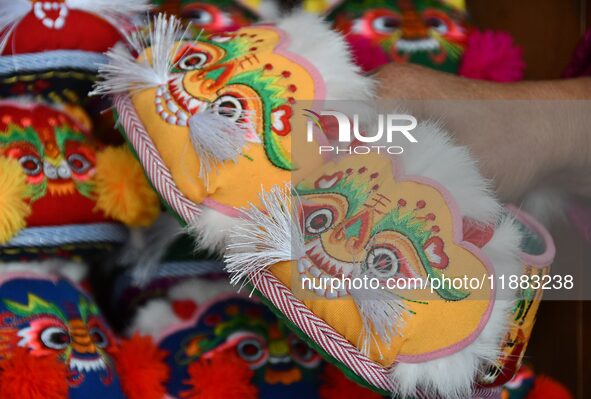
(492, 56)
(368, 55)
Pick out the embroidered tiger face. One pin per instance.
(225, 117)
(248, 328)
(372, 233)
(58, 157)
(54, 317)
(427, 32)
(353, 227)
(360, 220)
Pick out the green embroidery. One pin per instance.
(35, 306)
(65, 133)
(15, 134)
(269, 94)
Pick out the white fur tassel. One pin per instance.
(217, 138)
(11, 12)
(268, 236)
(381, 314)
(124, 73)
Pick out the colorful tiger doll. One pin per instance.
(223, 16)
(433, 33)
(54, 341)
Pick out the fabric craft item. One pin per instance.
(214, 16)
(59, 188)
(537, 253)
(214, 342)
(51, 48)
(427, 214)
(433, 33)
(527, 385)
(213, 119)
(55, 342)
(219, 344)
(368, 217)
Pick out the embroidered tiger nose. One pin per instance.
(214, 77)
(278, 348)
(81, 340)
(57, 171)
(355, 232)
(413, 27)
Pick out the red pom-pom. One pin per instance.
(24, 376)
(547, 388)
(337, 386)
(224, 375)
(141, 368)
(368, 55)
(492, 56)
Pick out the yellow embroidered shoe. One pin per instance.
(392, 268)
(216, 124)
(213, 119)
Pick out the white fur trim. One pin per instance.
(312, 38)
(153, 318)
(199, 290)
(157, 315)
(268, 10)
(452, 377)
(547, 204)
(211, 229)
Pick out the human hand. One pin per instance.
(524, 135)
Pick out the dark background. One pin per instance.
(548, 31)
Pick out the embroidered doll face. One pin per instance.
(53, 317)
(217, 16)
(427, 32)
(42, 25)
(248, 328)
(225, 119)
(58, 158)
